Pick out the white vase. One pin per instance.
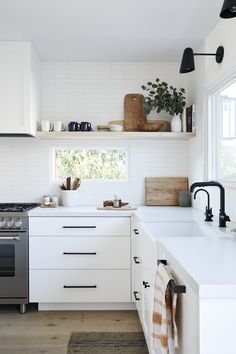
(70, 198)
(176, 123)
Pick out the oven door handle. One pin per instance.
(12, 238)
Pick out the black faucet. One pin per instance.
(208, 211)
(222, 215)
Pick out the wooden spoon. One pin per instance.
(68, 183)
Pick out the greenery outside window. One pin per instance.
(222, 133)
(106, 164)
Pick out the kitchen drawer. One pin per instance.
(106, 286)
(70, 253)
(79, 226)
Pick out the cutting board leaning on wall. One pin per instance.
(135, 119)
(164, 190)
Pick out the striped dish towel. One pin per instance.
(165, 335)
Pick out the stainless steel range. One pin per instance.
(14, 253)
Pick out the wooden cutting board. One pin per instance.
(134, 115)
(164, 190)
(135, 119)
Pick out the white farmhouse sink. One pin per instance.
(176, 229)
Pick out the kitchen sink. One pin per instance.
(176, 229)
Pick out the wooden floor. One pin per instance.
(49, 332)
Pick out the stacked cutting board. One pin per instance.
(135, 118)
(164, 190)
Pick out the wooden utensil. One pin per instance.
(63, 187)
(164, 190)
(68, 183)
(76, 183)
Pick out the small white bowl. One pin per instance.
(116, 128)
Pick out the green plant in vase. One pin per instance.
(162, 97)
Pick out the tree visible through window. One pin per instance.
(101, 164)
(223, 148)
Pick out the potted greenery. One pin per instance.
(162, 97)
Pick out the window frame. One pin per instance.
(213, 129)
(124, 147)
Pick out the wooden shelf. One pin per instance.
(115, 135)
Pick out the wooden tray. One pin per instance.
(113, 208)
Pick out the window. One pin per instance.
(223, 133)
(90, 164)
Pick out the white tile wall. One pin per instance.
(94, 92)
(26, 170)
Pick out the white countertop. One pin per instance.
(78, 211)
(209, 261)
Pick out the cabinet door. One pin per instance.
(14, 87)
(79, 226)
(136, 265)
(187, 311)
(79, 253)
(149, 267)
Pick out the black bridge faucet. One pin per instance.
(222, 215)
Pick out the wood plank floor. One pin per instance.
(48, 332)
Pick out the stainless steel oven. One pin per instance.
(14, 257)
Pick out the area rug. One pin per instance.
(107, 343)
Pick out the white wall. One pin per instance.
(207, 74)
(95, 92)
(26, 170)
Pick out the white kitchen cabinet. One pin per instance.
(148, 251)
(19, 88)
(80, 226)
(187, 319)
(79, 260)
(144, 265)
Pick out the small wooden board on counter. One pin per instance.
(164, 190)
(124, 208)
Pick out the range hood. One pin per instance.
(16, 135)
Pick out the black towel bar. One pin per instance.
(178, 289)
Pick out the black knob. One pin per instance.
(145, 284)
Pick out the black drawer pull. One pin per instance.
(179, 289)
(136, 232)
(146, 285)
(79, 253)
(136, 260)
(80, 227)
(135, 296)
(79, 286)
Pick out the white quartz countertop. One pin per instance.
(78, 211)
(207, 255)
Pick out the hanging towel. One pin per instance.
(165, 335)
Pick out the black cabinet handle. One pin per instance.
(79, 227)
(146, 285)
(79, 286)
(136, 260)
(136, 232)
(135, 296)
(79, 253)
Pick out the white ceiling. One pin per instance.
(121, 30)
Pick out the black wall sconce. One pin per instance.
(187, 64)
(228, 9)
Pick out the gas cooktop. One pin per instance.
(16, 207)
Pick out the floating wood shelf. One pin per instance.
(116, 135)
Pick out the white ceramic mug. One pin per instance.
(59, 126)
(47, 126)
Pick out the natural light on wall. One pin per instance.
(90, 164)
(224, 130)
